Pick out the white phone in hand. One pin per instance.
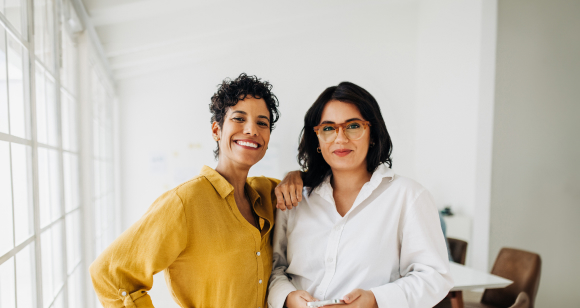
(326, 302)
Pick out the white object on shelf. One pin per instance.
(459, 227)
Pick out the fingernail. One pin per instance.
(346, 298)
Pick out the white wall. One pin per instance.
(165, 114)
(422, 62)
(536, 172)
(453, 112)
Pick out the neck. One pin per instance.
(234, 174)
(350, 180)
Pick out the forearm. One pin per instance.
(279, 288)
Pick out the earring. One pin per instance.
(216, 138)
(318, 150)
(372, 144)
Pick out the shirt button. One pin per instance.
(260, 281)
(258, 254)
(124, 293)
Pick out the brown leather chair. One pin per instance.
(458, 250)
(523, 301)
(523, 268)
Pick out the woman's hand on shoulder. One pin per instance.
(298, 299)
(289, 191)
(358, 298)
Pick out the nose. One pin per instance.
(251, 128)
(340, 136)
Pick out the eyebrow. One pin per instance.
(351, 119)
(243, 112)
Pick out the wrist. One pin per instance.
(286, 301)
(374, 299)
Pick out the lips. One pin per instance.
(342, 152)
(248, 144)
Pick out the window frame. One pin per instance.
(89, 57)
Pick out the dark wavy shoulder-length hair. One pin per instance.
(313, 165)
(230, 92)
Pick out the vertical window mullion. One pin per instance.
(33, 127)
(13, 221)
(57, 64)
(7, 82)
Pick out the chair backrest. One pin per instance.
(523, 268)
(523, 301)
(458, 250)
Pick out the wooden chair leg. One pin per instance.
(456, 299)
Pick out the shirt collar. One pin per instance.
(223, 187)
(383, 171)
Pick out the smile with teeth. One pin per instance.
(247, 144)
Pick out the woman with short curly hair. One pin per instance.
(212, 234)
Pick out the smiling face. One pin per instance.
(245, 133)
(342, 153)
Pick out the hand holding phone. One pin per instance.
(326, 302)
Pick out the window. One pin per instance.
(18, 242)
(104, 194)
(42, 261)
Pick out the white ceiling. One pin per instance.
(143, 36)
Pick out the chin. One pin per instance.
(345, 165)
(249, 161)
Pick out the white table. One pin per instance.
(466, 278)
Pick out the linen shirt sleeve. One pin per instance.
(123, 273)
(423, 264)
(280, 286)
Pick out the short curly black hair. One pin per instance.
(230, 92)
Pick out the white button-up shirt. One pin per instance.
(389, 242)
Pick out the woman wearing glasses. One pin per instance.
(361, 233)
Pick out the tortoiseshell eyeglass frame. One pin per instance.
(364, 124)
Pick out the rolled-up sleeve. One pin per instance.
(280, 285)
(424, 266)
(123, 274)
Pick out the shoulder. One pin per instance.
(197, 187)
(263, 184)
(410, 188)
(403, 182)
(197, 182)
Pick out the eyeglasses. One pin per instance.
(353, 130)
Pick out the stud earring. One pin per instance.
(318, 150)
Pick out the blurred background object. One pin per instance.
(104, 106)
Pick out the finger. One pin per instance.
(352, 296)
(287, 198)
(292, 194)
(279, 199)
(309, 298)
(299, 192)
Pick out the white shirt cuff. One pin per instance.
(278, 293)
(390, 295)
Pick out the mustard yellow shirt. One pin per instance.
(212, 256)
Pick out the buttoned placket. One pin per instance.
(331, 254)
(259, 260)
(331, 257)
